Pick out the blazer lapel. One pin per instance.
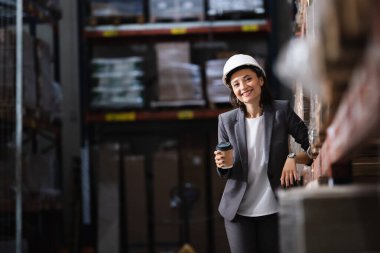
(268, 119)
(241, 141)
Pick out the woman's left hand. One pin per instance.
(289, 173)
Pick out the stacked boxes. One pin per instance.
(217, 92)
(178, 79)
(118, 8)
(166, 219)
(117, 82)
(135, 203)
(176, 10)
(193, 169)
(106, 161)
(173, 10)
(220, 7)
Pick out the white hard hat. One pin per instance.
(236, 61)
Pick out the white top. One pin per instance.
(259, 198)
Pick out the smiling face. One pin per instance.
(247, 86)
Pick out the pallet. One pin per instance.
(236, 15)
(157, 19)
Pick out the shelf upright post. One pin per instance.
(19, 123)
(209, 200)
(87, 225)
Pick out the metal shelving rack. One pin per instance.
(178, 28)
(154, 124)
(11, 120)
(18, 129)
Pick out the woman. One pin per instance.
(258, 129)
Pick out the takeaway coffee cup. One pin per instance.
(228, 154)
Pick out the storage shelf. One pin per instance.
(157, 104)
(180, 28)
(34, 123)
(133, 116)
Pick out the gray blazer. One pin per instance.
(280, 121)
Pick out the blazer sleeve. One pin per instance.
(297, 128)
(222, 136)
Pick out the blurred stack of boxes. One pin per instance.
(173, 10)
(176, 10)
(117, 82)
(136, 208)
(106, 168)
(178, 79)
(220, 7)
(217, 92)
(118, 8)
(115, 196)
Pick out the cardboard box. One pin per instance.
(219, 7)
(217, 92)
(118, 8)
(106, 163)
(165, 179)
(193, 164)
(135, 202)
(178, 79)
(176, 10)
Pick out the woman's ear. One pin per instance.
(261, 81)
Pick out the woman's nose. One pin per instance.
(242, 84)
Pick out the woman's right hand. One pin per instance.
(219, 158)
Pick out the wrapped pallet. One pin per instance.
(117, 8)
(176, 10)
(178, 79)
(220, 7)
(106, 161)
(216, 90)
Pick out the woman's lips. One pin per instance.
(246, 93)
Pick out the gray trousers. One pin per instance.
(253, 234)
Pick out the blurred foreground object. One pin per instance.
(330, 220)
(337, 64)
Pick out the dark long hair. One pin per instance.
(266, 98)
